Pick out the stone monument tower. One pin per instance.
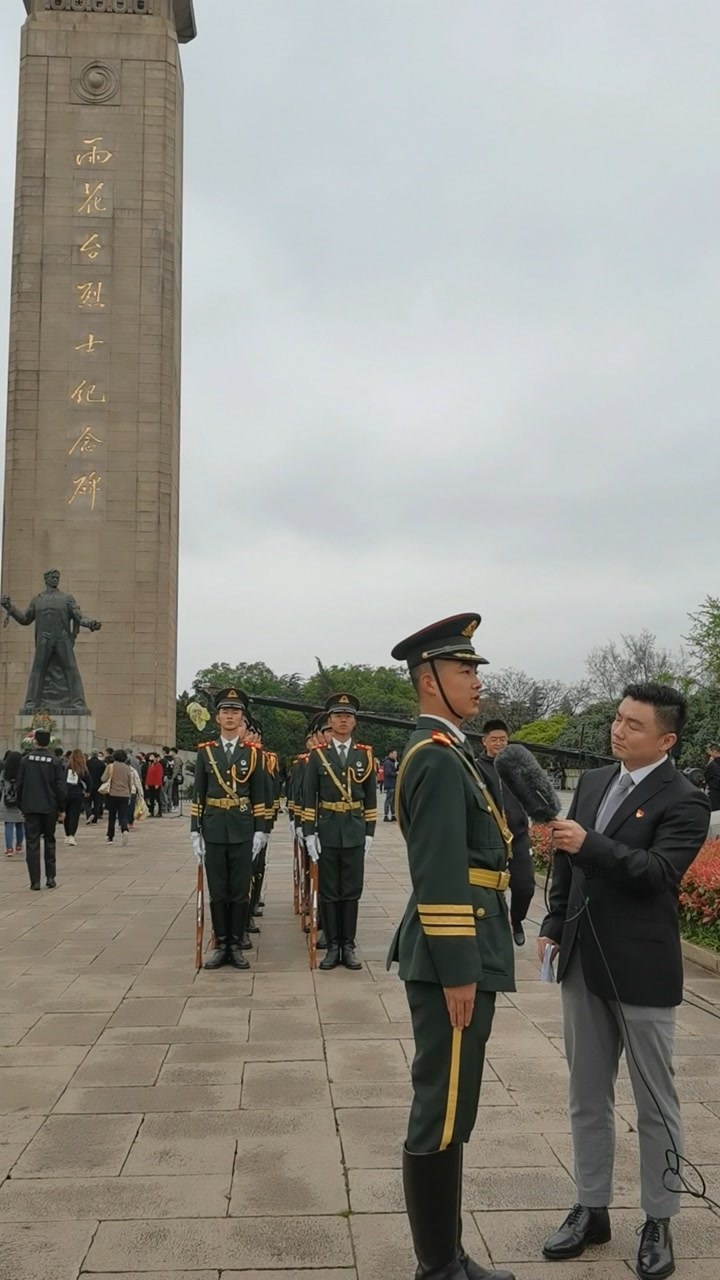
(93, 422)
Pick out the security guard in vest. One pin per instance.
(454, 944)
(228, 824)
(339, 817)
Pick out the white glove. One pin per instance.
(300, 836)
(258, 844)
(368, 843)
(198, 846)
(312, 844)
(291, 821)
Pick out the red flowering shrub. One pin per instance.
(541, 845)
(700, 889)
(699, 902)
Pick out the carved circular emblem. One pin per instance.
(97, 82)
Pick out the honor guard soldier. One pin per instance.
(228, 824)
(339, 817)
(454, 944)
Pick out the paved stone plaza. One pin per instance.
(163, 1125)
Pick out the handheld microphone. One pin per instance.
(529, 783)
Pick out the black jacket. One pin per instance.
(41, 782)
(629, 877)
(514, 813)
(96, 769)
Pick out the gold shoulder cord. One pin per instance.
(499, 817)
(229, 791)
(346, 795)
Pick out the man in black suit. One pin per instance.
(620, 856)
(495, 737)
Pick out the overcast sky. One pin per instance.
(452, 273)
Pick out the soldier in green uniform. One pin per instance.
(454, 944)
(228, 825)
(339, 817)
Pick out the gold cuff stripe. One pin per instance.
(453, 1085)
(445, 909)
(468, 931)
(447, 920)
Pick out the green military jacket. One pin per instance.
(272, 789)
(296, 789)
(228, 804)
(456, 928)
(340, 803)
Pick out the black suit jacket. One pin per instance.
(629, 877)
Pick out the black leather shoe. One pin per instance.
(655, 1255)
(246, 944)
(331, 959)
(236, 958)
(349, 956)
(253, 928)
(35, 886)
(519, 936)
(582, 1227)
(51, 883)
(218, 957)
(474, 1271)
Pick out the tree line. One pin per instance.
(550, 712)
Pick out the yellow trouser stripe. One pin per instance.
(453, 1085)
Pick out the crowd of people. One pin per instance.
(121, 786)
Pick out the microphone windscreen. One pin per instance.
(518, 768)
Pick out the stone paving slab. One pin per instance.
(184, 1125)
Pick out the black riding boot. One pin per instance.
(331, 912)
(431, 1197)
(219, 917)
(238, 917)
(349, 914)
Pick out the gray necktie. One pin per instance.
(229, 750)
(620, 788)
(342, 752)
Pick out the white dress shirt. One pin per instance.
(448, 725)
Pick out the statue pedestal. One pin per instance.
(72, 731)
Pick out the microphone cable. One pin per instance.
(675, 1161)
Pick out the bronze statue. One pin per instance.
(55, 684)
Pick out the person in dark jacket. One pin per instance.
(96, 769)
(390, 772)
(495, 736)
(41, 797)
(78, 785)
(712, 775)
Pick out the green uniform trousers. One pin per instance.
(447, 1068)
(228, 868)
(342, 873)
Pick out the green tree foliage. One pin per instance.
(704, 640)
(385, 689)
(543, 732)
(590, 730)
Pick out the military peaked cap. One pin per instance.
(233, 698)
(450, 639)
(342, 702)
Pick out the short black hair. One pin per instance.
(119, 757)
(42, 737)
(491, 725)
(669, 705)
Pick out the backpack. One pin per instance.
(9, 794)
